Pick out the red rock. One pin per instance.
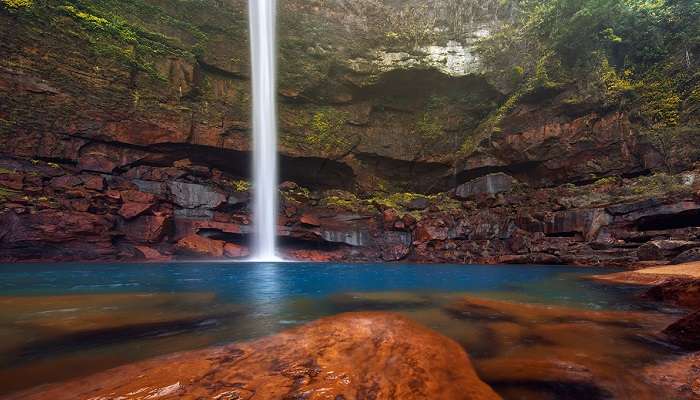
(131, 210)
(311, 255)
(390, 216)
(235, 251)
(431, 230)
(677, 291)
(12, 181)
(65, 182)
(186, 227)
(199, 245)
(151, 254)
(135, 203)
(93, 182)
(137, 197)
(146, 229)
(379, 356)
(310, 220)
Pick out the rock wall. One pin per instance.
(124, 125)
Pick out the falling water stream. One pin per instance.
(262, 17)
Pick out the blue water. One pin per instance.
(59, 321)
(270, 282)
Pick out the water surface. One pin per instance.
(67, 320)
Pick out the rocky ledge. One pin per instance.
(349, 356)
(103, 209)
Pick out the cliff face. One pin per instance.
(125, 125)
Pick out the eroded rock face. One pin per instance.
(489, 184)
(349, 356)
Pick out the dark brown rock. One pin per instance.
(687, 256)
(685, 332)
(663, 249)
(486, 185)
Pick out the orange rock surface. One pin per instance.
(350, 356)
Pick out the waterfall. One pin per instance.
(262, 22)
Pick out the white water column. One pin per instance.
(262, 22)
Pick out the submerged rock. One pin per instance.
(378, 356)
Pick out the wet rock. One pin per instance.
(151, 254)
(135, 203)
(147, 229)
(537, 351)
(489, 184)
(587, 223)
(679, 377)
(356, 238)
(235, 251)
(310, 220)
(685, 332)
(200, 246)
(678, 292)
(312, 255)
(365, 355)
(190, 195)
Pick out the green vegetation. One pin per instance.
(111, 35)
(17, 4)
(640, 56)
(323, 131)
(615, 190)
(241, 186)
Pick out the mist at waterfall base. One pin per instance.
(262, 22)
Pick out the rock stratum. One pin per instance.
(349, 356)
(125, 135)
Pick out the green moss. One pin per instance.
(342, 200)
(106, 25)
(7, 171)
(241, 186)
(323, 131)
(659, 184)
(17, 4)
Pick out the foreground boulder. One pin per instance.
(349, 356)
